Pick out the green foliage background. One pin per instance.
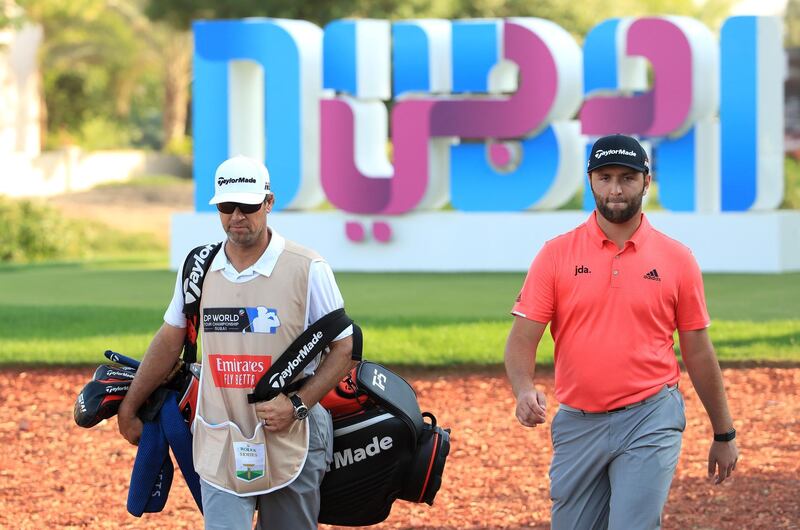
(575, 17)
(791, 193)
(101, 80)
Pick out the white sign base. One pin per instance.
(480, 242)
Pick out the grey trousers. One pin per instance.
(613, 470)
(295, 507)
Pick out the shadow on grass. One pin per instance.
(143, 261)
(71, 322)
(423, 321)
(786, 339)
(78, 321)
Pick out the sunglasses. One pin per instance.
(230, 207)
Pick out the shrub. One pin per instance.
(791, 194)
(32, 231)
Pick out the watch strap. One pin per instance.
(296, 400)
(725, 437)
(300, 408)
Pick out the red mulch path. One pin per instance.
(55, 474)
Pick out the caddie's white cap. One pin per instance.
(241, 179)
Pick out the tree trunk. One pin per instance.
(177, 57)
(42, 109)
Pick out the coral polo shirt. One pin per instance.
(613, 312)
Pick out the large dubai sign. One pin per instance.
(446, 145)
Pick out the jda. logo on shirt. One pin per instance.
(258, 319)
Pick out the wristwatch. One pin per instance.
(300, 409)
(725, 437)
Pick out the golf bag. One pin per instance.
(383, 449)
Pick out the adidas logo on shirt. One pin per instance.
(652, 275)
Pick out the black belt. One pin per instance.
(626, 407)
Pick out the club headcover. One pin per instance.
(101, 396)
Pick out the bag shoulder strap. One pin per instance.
(306, 347)
(193, 274)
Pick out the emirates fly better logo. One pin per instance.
(238, 371)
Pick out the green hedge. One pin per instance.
(33, 231)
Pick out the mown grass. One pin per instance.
(70, 313)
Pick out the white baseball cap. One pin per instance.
(241, 179)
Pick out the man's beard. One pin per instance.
(246, 239)
(619, 216)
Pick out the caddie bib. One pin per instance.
(245, 327)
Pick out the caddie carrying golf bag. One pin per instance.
(383, 448)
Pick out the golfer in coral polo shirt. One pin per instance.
(614, 290)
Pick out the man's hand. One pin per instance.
(129, 425)
(160, 363)
(277, 413)
(520, 360)
(703, 367)
(531, 407)
(722, 459)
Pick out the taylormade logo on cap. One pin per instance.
(221, 181)
(601, 154)
(241, 179)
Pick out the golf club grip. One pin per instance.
(122, 359)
